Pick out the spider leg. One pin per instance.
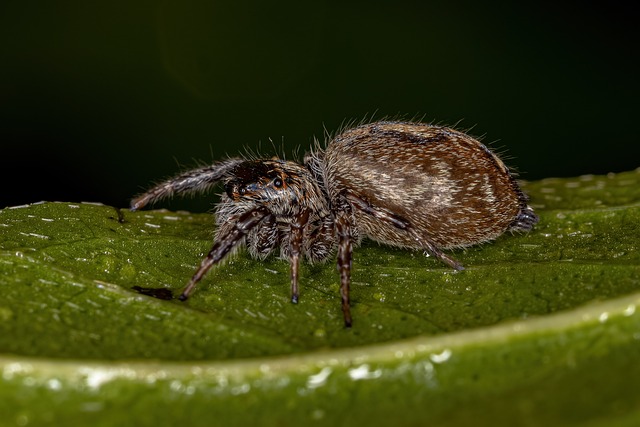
(320, 240)
(264, 239)
(192, 181)
(345, 256)
(295, 244)
(401, 223)
(224, 243)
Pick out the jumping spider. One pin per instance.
(410, 185)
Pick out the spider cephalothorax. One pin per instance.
(411, 185)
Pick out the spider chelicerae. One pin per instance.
(405, 184)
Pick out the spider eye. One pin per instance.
(242, 191)
(277, 183)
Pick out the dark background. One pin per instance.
(99, 99)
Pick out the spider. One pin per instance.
(410, 185)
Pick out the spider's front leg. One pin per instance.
(193, 181)
(225, 242)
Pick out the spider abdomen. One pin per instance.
(450, 187)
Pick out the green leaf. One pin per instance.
(540, 326)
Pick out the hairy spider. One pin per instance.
(409, 185)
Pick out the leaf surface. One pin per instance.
(67, 272)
